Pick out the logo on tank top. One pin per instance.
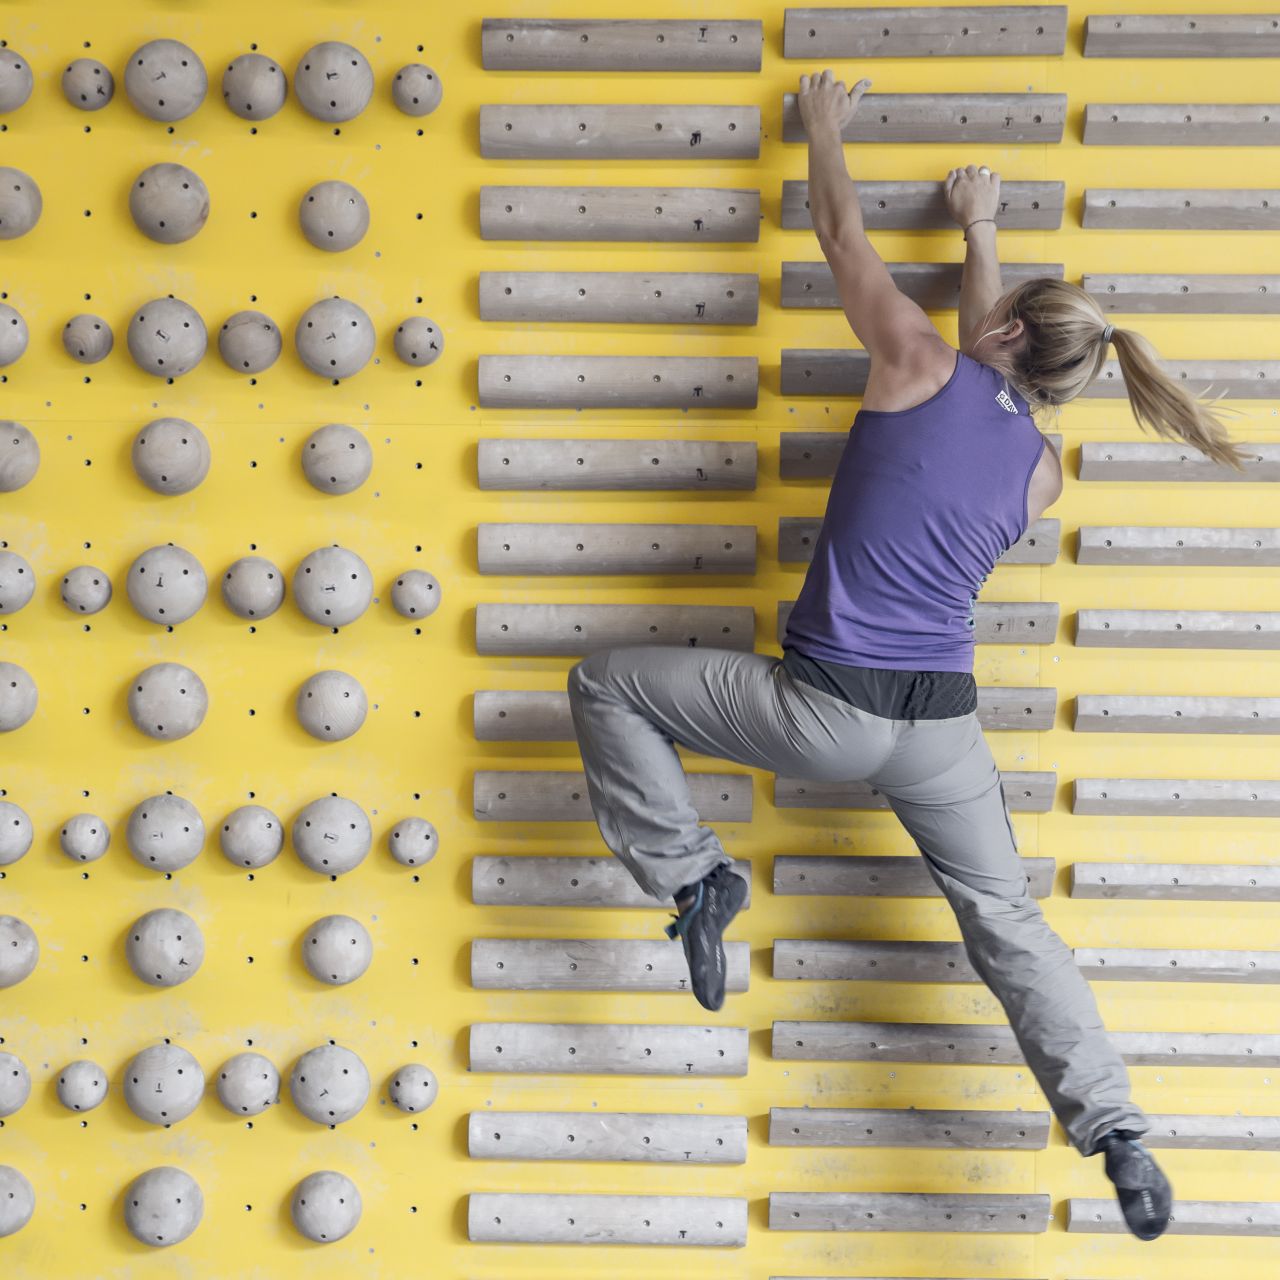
(1004, 400)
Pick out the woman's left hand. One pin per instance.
(825, 103)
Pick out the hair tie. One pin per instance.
(1107, 331)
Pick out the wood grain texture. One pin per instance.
(814, 455)
(1182, 35)
(619, 44)
(1182, 209)
(1122, 461)
(1177, 545)
(621, 297)
(1177, 797)
(908, 1127)
(1213, 1133)
(1177, 629)
(1176, 881)
(534, 880)
(867, 875)
(560, 795)
(523, 1218)
(1175, 713)
(1189, 1218)
(907, 1211)
(1025, 791)
(1182, 964)
(529, 548)
(616, 464)
(1002, 118)
(922, 206)
(1026, 622)
(630, 1137)
(831, 959)
(1186, 124)
(798, 535)
(1185, 294)
(598, 1048)
(921, 31)
(933, 286)
(555, 630)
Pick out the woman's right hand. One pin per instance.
(972, 192)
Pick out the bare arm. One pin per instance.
(973, 197)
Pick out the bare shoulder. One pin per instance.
(918, 370)
(1046, 482)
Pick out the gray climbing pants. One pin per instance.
(631, 705)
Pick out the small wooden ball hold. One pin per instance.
(86, 589)
(166, 584)
(332, 705)
(164, 947)
(17, 1200)
(253, 588)
(413, 842)
(329, 1084)
(15, 1084)
(167, 337)
(82, 1085)
(334, 338)
(165, 832)
(17, 582)
(416, 90)
(169, 203)
(19, 951)
(332, 835)
(337, 458)
(167, 701)
(163, 1084)
(16, 833)
(334, 216)
(332, 586)
(251, 836)
(16, 80)
(325, 1206)
(18, 698)
(415, 594)
(248, 1084)
(254, 86)
(171, 456)
(163, 1206)
(88, 84)
(19, 456)
(337, 950)
(250, 342)
(13, 335)
(84, 837)
(87, 338)
(165, 80)
(419, 341)
(334, 81)
(20, 201)
(413, 1088)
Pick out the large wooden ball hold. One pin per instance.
(332, 705)
(171, 456)
(337, 458)
(249, 342)
(334, 338)
(334, 216)
(17, 582)
(86, 589)
(163, 1206)
(248, 1084)
(326, 1206)
(19, 951)
(163, 1084)
(333, 586)
(164, 947)
(253, 588)
(82, 1085)
(167, 337)
(84, 837)
(165, 832)
(167, 701)
(18, 699)
(165, 80)
(413, 842)
(16, 832)
(254, 86)
(167, 584)
(413, 1088)
(88, 84)
(419, 341)
(19, 456)
(16, 80)
(416, 90)
(337, 950)
(13, 335)
(17, 1200)
(332, 835)
(169, 203)
(251, 836)
(415, 594)
(15, 1084)
(334, 81)
(329, 1084)
(87, 338)
(20, 202)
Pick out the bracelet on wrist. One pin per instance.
(974, 223)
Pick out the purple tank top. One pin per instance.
(924, 502)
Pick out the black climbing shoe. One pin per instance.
(717, 898)
(1146, 1198)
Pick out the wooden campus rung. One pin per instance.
(831, 959)
(521, 1218)
(1007, 707)
(866, 875)
(1176, 797)
(534, 880)
(1128, 461)
(618, 382)
(1189, 1217)
(1161, 964)
(615, 131)
(538, 548)
(1189, 124)
(1185, 294)
(1177, 881)
(972, 1044)
(814, 455)
(555, 630)
(597, 964)
(1201, 545)
(621, 297)
(1024, 622)
(934, 286)
(984, 31)
(1238, 379)
(907, 1211)
(560, 795)
(1176, 629)
(907, 1127)
(599, 1048)
(1175, 713)
(1213, 1133)
(1182, 209)
(798, 535)
(616, 464)
(945, 117)
(616, 44)
(922, 206)
(1026, 792)
(1168, 35)
(639, 1137)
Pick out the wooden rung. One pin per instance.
(934, 286)
(1132, 713)
(995, 1045)
(1177, 797)
(1175, 463)
(1213, 1133)
(613, 44)
(560, 795)
(1182, 209)
(1004, 707)
(1189, 1217)
(589, 1219)
(1176, 629)
(922, 206)
(614, 131)
(823, 371)
(831, 959)
(568, 1048)
(1185, 294)
(907, 1127)
(598, 964)
(1167, 35)
(984, 31)
(616, 464)
(621, 297)
(533, 880)
(639, 1137)
(571, 549)
(1190, 124)
(1026, 792)
(1237, 379)
(869, 876)
(1002, 118)
(1160, 964)
(725, 215)
(907, 1211)
(1025, 622)
(555, 630)
(812, 455)
(1189, 881)
(798, 535)
(1149, 544)
(618, 382)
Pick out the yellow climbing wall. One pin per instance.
(417, 753)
